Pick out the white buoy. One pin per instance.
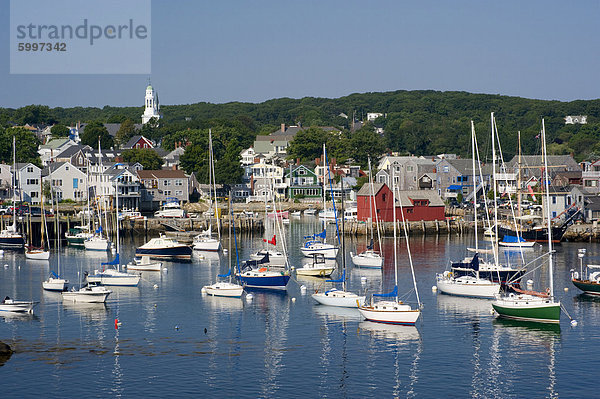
(293, 299)
(249, 297)
(492, 311)
(529, 285)
(155, 286)
(225, 250)
(574, 323)
(566, 289)
(165, 269)
(6, 265)
(303, 289)
(434, 288)
(292, 268)
(363, 280)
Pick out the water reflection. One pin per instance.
(461, 306)
(97, 312)
(337, 314)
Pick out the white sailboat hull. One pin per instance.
(37, 255)
(328, 250)
(317, 271)
(55, 284)
(367, 259)
(470, 287)
(224, 289)
(390, 312)
(339, 298)
(96, 244)
(207, 244)
(145, 265)
(110, 277)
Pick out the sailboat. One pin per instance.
(470, 283)
(55, 282)
(394, 311)
(111, 275)
(327, 214)
(98, 241)
(40, 253)
(10, 238)
(204, 241)
(77, 235)
(227, 288)
(333, 296)
(369, 258)
(530, 305)
(313, 244)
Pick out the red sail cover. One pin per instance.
(272, 241)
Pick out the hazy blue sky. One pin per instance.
(220, 51)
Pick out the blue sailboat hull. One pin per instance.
(178, 253)
(278, 282)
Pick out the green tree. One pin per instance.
(125, 132)
(92, 132)
(149, 159)
(364, 143)
(308, 144)
(228, 169)
(33, 114)
(59, 131)
(195, 160)
(26, 146)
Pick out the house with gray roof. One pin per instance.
(67, 181)
(28, 182)
(54, 147)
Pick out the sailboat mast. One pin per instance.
(214, 181)
(117, 210)
(343, 240)
(14, 185)
(547, 194)
(395, 234)
(495, 246)
(474, 184)
(519, 183)
(370, 200)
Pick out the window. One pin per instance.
(75, 183)
(409, 168)
(66, 168)
(445, 169)
(33, 194)
(554, 200)
(302, 172)
(166, 182)
(178, 192)
(178, 183)
(383, 197)
(30, 169)
(167, 192)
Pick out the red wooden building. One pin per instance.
(417, 205)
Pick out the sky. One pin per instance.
(252, 51)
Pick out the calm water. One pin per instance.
(174, 341)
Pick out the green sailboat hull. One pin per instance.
(588, 287)
(75, 241)
(546, 313)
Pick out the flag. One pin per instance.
(273, 241)
(531, 192)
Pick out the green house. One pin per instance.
(302, 183)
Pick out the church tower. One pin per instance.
(151, 105)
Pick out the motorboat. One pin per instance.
(170, 209)
(310, 211)
(328, 215)
(16, 306)
(164, 247)
(130, 214)
(296, 214)
(90, 293)
(317, 268)
(351, 213)
(144, 264)
(368, 259)
(11, 239)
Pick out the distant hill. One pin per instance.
(421, 122)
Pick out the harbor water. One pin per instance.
(174, 341)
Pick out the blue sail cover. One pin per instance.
(115, 261)
(53, 274)
(394, 293)
(513, 239)
(370, 246)
(99, 230)
(225, 275)
(254, 263)
(473, 264)
(339, 280)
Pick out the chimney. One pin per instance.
(317, 161)
(283, 128)
(297, 161)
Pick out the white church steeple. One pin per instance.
(151, 105)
